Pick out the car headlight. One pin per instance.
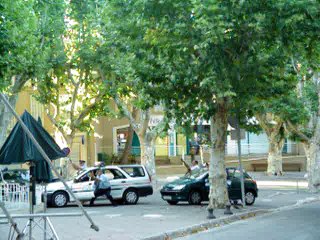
(178, 187)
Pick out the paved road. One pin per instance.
(150, 216)
(296, 224)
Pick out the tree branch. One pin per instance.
(56, 124)
(293, 129)
(127, 113)
(87, 110)
(294, 65)
(19, 82)
(144, 120)
(159, 128)
(263, 123)
(73, 104)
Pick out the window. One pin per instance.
(114, 174)
(37, 110)
(236, 173)
(84, 178)
(134, 171)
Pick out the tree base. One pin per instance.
(210, 214)
(228, 211)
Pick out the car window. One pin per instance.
(84, 177)
(237, 174)
(114, 174)
(78, 173)
(195, 174)
(134, 171)
(230, 172)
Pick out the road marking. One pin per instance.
(152, 215)
(92, 212)
(301, 184)
(113, 215)
(266, 200)
(275, 194)
(279, 193)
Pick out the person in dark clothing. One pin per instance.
(102, 187)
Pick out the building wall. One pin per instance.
(103, 140)
(83, 147)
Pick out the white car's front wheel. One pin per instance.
(59, 199)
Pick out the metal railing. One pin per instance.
(178, 150)
(16, 196)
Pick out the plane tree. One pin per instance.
(25, 41)
(219, 55)
(72, 91)
(127, 63)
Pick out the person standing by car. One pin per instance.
(102, 187)
(82, 165)
(194, 166)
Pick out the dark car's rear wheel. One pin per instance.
(172, 202)
(250, 197)
(59, 199)
(194, 198)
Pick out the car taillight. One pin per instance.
(150, 178)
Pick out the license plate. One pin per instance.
(167, 197)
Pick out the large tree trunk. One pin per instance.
(276, 143)
(218, 195)
(312, 147)
(147, 144)
(312, 150)
(128, 147)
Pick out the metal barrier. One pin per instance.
(14, 195)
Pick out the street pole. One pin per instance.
(239, 157)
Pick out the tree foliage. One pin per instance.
(72, 91)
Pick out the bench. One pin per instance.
(285, 166)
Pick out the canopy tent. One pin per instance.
(40, 141)
(18, 148)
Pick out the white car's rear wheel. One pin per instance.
(131, 196)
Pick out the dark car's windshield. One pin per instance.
(231, 172)
(195, 173)
(236, 173)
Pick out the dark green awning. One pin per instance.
(18, 148)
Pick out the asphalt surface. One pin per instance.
(151, 216)
(295, 224)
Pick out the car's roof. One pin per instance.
(129, 165)
(114, 166)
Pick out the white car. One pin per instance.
(128, 183)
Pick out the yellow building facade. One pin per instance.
(109, 135)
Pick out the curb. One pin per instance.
(182, 232)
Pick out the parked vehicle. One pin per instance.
(128, 184)
(20, 176)
(194, 188)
